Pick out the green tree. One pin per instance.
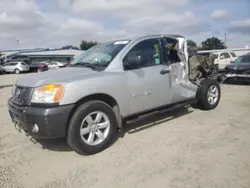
(191, 43)
(70, 47)
(87, 44)
(212, 43)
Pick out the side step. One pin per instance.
(166, 108)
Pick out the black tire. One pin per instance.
(202, 94)
(74, 139)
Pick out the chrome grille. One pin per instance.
(21, 95)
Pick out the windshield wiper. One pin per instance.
(85, 64)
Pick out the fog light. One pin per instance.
(35, 128)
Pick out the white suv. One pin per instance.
(224, 58)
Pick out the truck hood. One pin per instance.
(238, 66)
(63, 75)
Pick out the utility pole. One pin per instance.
(225, 42)
(17, 41)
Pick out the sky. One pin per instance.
(55, 23)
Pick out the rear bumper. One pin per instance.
(51, 122)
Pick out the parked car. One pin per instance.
(61, 64)
(16, 67)
(34, 66)
(88, 102)
(224, 58)
(38, 67)
(239, 70)
(54, 64)
(42, 67)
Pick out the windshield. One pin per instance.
(101, 54)
(243, 59)
(233, 54)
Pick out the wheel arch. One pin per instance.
(108, 99)
(17, 69)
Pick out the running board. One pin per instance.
(165, 108)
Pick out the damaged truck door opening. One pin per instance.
(185, 59)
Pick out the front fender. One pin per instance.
(113, 85)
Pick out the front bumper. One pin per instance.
(232, 75)
(237, 77)
(51, 121)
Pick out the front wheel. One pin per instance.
(208, 94)
(92, 128)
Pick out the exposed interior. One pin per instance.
(172, 48)
(199, 67)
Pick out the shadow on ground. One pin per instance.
(55, 144)
(153, 119)
(235, 82)
(131, 127)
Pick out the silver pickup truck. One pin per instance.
(89, 101)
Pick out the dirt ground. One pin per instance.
(187, 148)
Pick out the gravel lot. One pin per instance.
(185, 148)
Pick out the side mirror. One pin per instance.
(133, 60)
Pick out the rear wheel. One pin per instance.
(92, 128)
(17, 71)
(209, 94)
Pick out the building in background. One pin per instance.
(39, 55)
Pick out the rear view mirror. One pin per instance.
(222, 57)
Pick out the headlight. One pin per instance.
(51, 93)
(13, 90)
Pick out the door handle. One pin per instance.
(164, 71)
